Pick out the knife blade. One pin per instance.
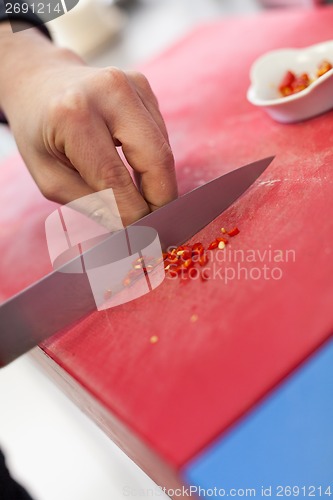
(60, 299)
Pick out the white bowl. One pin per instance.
(267, 72)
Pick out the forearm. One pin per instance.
(22, 55)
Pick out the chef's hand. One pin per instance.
(68, 119)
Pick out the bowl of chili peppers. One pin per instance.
(293, 84)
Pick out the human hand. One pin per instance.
(68, 120)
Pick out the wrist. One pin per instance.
(25, 56)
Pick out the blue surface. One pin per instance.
(287, 440)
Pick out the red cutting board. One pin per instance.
(170, 399)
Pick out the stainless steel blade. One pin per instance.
(61, 299)
(178, 221)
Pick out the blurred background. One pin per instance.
(125, 32)
(51, 447)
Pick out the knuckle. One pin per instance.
(72, 105)
(114, 78)
(141, 81)
(139, 78)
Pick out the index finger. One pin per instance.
(93, 154)
(146, 149)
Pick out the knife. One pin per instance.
(62, 298)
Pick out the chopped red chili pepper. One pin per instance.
(172, 258)
(174, 270)
(301, 83)
(223, 240)
(214, 244)
(203, 259)
(182, 260)
(233, 231)
(187, 264)
(292, 84)
(323, 68)
(184, 252)
(198, 249)
(285, 87)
